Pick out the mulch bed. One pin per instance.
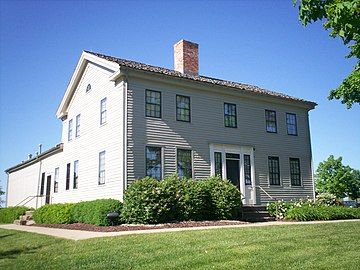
(130, 227)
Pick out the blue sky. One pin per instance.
(255, 42)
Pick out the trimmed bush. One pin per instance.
(53, 213)
(307, 213)
(95, 212)
(9, 214)
(174, 199)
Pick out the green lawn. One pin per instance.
(323, 246)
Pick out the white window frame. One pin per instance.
(103, 111)
(77, 126)
(70, 130)
(102, 168)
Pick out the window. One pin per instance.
(76, 174)
(230, 115)
(247, 170)
(153, 162)
(103, 111)
(274, 171)
(270, 117)
(182, 108)
(88, 87)
(218, 164)
(295, 172)
(184, 163)
(77, 127)
(70, 130)
(56, 180)
(291, 124)
(42, 187)
(102, 168)
(67, 176)
(153, 103)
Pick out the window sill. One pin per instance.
(104, 124)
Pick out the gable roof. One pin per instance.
(198, 78)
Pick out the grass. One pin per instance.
(321, 246)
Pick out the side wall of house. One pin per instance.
(26, 182)
(93, 139)
(207, 127)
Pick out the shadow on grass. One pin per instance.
(6, 235)
(13, 253)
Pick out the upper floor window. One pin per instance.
(182, 108)
(153, 103)
(77, 126)
(153, 162)
(230, 115)
(247, 169)
(295, 172)
(218, 163)
(270, 117)
(76, 174)
(291, 124)
(103, 111)
(101, 168)
(274, 170)
(56, 180)
(70, 130)
(88, 87)
(67, 187)
(184, 163)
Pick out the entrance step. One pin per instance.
(26, 219)
(256, 213)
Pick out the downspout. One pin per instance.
(125, 134)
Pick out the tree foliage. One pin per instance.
(1, 199)
(338, 179)
(342, 18)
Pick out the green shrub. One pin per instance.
(95, 212)
(9, 214)
(279, 209)
(173, 199)
(53, 213)
(307, 213)
(327, 199)
(224, 200)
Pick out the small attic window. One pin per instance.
(88, 87)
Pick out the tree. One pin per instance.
(342, 18)
(335, 178)
(1, 193)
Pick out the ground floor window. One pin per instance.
(42, 186)
(153, 162)
(295, 172)
(101, 179)
(76, 174)
(274, 170)
(68, 176)
(56, 180)
(184, 163)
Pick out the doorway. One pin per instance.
(233, 168)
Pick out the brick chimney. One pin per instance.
(186, 57)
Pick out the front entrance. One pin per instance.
(233, 168)
(236, 164)
(48, 189)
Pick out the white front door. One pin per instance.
(235, 163)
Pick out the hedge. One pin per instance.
(149, 201)
(53, 214)
(9, 214)
(307, 213)
(95, 212)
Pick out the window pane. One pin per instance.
(101, 168)
(270, 117)
(291, 124)
(247, 169)
(184, 163)
(76, 174)
(230, 115)
(103, 111)
(295, 173)
(153, 103)
(183, 108)
(56, 180)
(274, 170)
(70, 130)
(153, 162)
(218, 164)
(77, 130)
(67, 176)
(42, 184)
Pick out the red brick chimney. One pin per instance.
(186, 57)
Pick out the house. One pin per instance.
(122, 120)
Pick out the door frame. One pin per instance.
(241, 150)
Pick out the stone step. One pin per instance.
(29, 213)
(263, 219)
